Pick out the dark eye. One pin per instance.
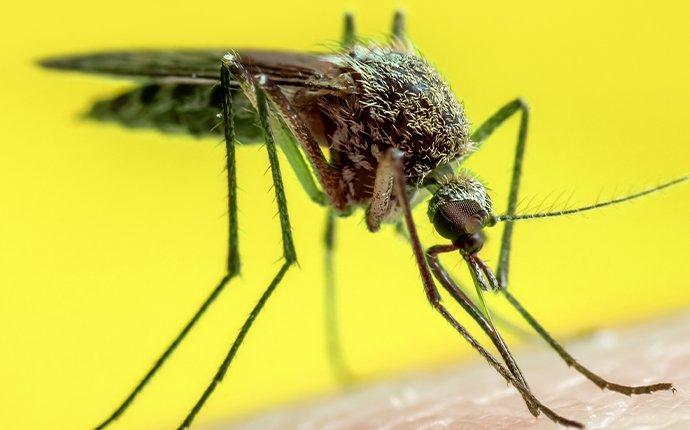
(456, 219)
(445, 222)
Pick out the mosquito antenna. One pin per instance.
(508, 217)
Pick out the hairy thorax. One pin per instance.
(394, 100)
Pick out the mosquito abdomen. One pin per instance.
(177, 108)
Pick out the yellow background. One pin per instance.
(110, 238)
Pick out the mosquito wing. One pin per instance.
(201, 66)
(180, 92)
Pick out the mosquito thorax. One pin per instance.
(459, 210)
(397, 100)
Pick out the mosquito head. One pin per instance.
(459, 210)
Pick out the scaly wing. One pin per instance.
(180, 94)
(203, 65)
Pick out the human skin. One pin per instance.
(473, 397)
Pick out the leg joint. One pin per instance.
(233, 270)
(290, 259)
(522, 104)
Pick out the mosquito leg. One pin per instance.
(233, 262)
(333, 343)
(484, 131)
(500, 320)
(486, 325)
(398, 34)
(328, 176)
(398, 27)
(289, 145)
(289, 254)
(479, 136)
(570, 361)
(349, 36)
(394, 159)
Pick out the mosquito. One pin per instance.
(395, 134)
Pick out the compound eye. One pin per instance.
(456, 219)
(446, 225)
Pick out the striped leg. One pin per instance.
(483, 132)
(233, 263)
(394, 159)
(289, 255)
